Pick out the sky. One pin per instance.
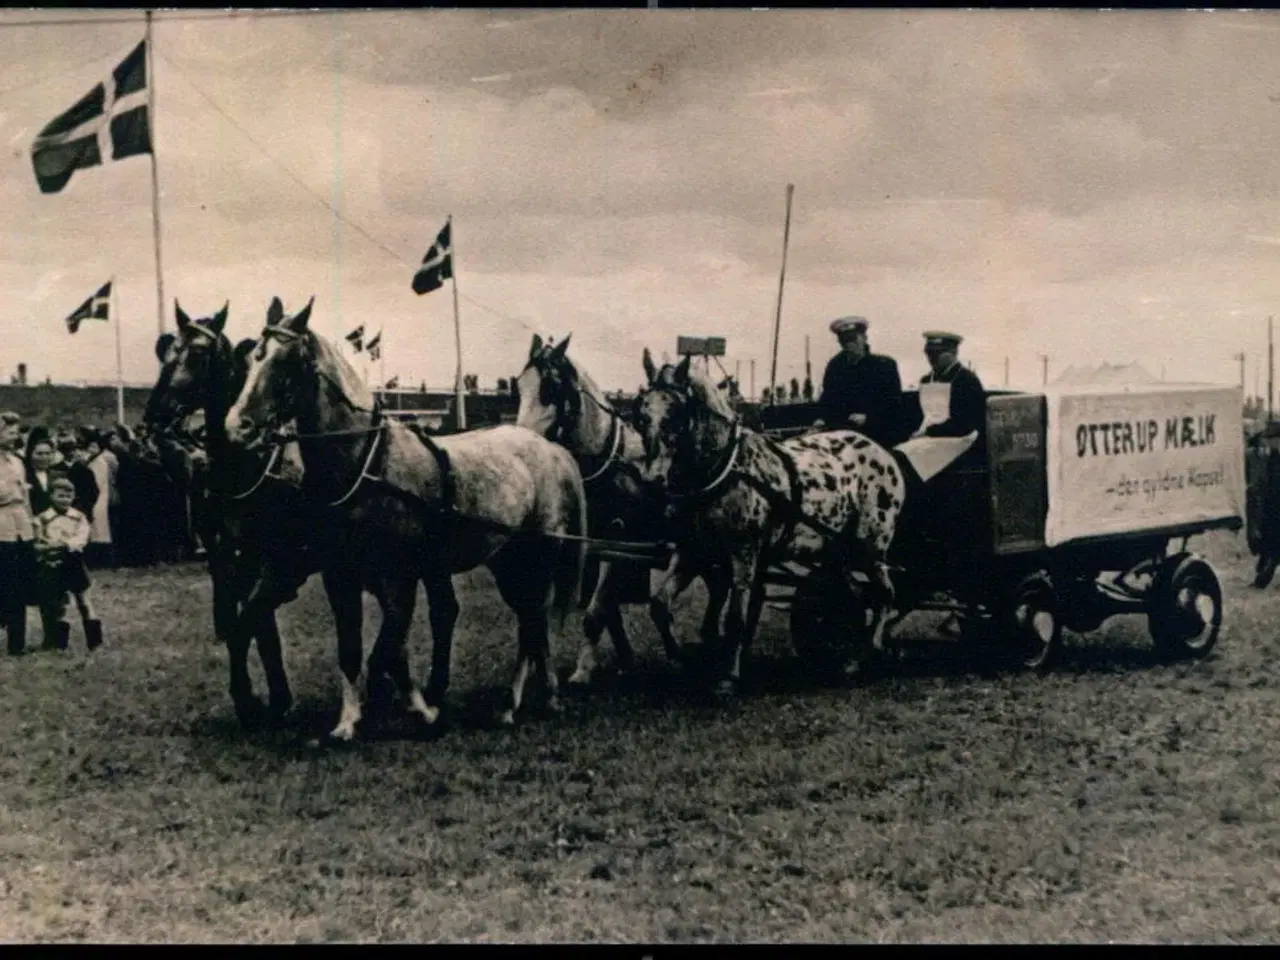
(1087, 186)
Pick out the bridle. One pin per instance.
(278, 437)
(727, 466)
(568, 406)
(176, 431)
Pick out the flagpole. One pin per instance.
(114, 314)
(155, 179)
(460, 397)
(782, 277)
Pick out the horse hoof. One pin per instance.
(579, 678)
(278, 710)
(343, 733)
(725, 691)
(506, 719)
(554, 707)
(250, 713)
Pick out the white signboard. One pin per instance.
(1126, 460)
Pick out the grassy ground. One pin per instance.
(1112, 800)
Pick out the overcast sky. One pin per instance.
(1091, 186)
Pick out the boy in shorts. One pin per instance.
(62, 533)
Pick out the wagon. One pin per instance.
(1079, 507)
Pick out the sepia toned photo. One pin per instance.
(639, 476)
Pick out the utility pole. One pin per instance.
(1271, 366)
(1240, 357)
(1006, 371)
(1044, 366)
(753, 379)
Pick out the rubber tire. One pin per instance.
(1179, 572)
(828, 625)
(1036, 593)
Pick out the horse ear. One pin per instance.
(650, 370)
(561, 349)
(163, 343)
(298, 322)
(183, 320)
(535, 347)
(219, 319)
(275, 312)
(243, 349)
(682, 371)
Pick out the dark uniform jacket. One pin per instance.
(968, 403)
(869, 386)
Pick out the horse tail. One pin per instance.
(571, 558)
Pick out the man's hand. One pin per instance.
(819, 424)
(858, 419)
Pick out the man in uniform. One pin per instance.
(860, 389)
(967, 404)
(953, 404)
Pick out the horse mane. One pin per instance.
(334, 366)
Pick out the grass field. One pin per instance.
(1114, 799)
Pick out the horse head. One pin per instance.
(685, 422)
(551, 391)
(199, 370)
(294, 376)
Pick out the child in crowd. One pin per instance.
(62, 533)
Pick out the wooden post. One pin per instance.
(155, 179)
(782, 277)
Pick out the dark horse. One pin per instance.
(249, 513)
(421, 508)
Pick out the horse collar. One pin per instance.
(266, 475)
(615, 430)
(731, 461)
(377, 431)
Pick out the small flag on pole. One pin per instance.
(393, 383)
(96, 307)
(356, 338)
(437, 265)
(110, 121)
(374, 346)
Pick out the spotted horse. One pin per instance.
(828, 500)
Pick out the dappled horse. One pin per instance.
(560, 401)
(424, 508)
(832, 497)
(248, 512)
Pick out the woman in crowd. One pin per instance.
(17, 556)
(40, 456)
(100, 462)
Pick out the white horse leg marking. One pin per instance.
(592, 628)
(418, 705)
(351, 713)
(508, 717)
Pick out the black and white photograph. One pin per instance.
(639, 476)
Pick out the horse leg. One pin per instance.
(529, 595)
(270, 652)
(602, 611)
(674, 582)
(718, 580)
(398, 595)
(745, 599)
(232, 629)
(346, 595)
(442, 604)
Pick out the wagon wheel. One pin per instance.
(1033, 624)
(1185, 613)
(830, 622)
